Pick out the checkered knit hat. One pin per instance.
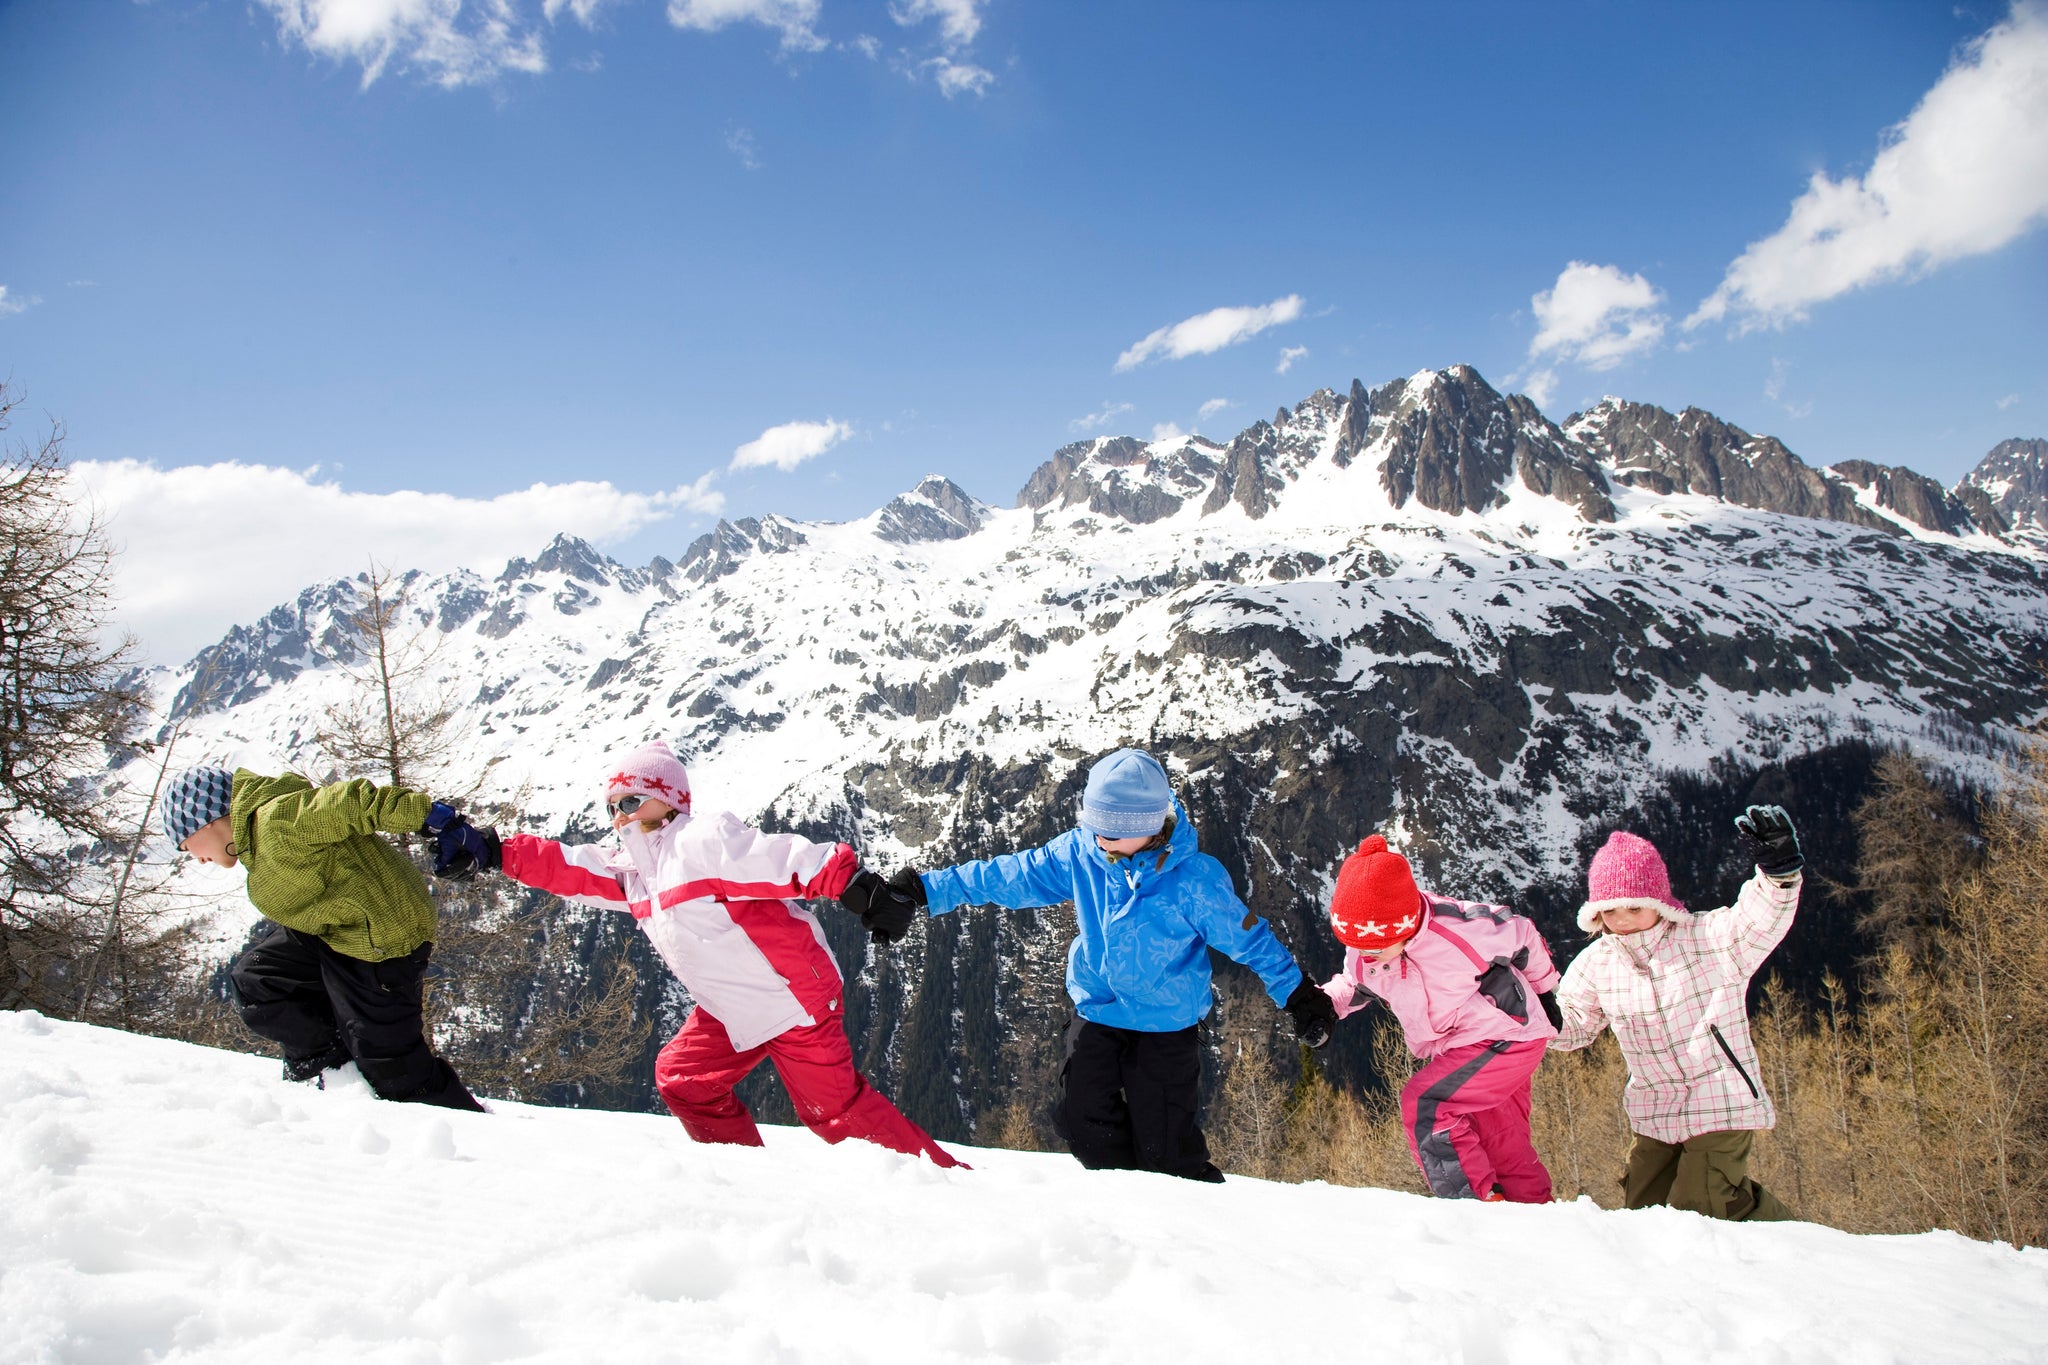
(650, 770)
(194, 798)
(1626, 874)
(1376, 903)
(1127, 796)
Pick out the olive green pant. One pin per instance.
(1707, 1173)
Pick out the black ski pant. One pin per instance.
(1128, 1101)
(296, 991)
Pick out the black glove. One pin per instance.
(1767, 831)
(890, 917)
(1313, 1014)
(461, 850)
(906, 882)
(1550, 1010)
(885, 912)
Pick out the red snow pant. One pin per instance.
(1467, 1116)
(696, 1072)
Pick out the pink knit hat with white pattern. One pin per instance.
(1628, 873)
(650, 770)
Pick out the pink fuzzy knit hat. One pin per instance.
(650, 770)
(1628, 873)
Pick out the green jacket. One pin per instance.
(316, 864)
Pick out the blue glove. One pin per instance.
(439, 816)
(461, 850)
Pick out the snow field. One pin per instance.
(168, 1203)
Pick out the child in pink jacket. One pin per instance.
(1463, 979)
(721, 902)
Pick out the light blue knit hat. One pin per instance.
(194, 798)
(1127, 796)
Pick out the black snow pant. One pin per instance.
(1128, 1101)
(296, 991)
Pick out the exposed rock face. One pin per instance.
(1697, 452)
(1916, 497)
(937, 509)
(2014, 478)
(722, 549)
(1505, 646)
(1453, 441)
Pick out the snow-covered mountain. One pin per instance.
(176, 1204)
(1422, 607)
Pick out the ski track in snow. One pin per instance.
(170, 1203)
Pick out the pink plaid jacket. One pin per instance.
(1674, 995)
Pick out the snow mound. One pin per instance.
(171, 1203)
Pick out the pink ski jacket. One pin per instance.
(1433, 987)
(715, 897)
(1674, 995)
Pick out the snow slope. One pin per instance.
(171, 1203)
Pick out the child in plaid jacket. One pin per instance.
(1672, 985)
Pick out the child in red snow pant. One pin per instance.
(697, 1071)
(1464, 979)
(721, 901)
(1466, 1113)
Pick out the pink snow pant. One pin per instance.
(1467, 1116)
(696, 1072)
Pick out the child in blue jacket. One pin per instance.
(1149, 905)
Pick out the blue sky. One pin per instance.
(456, 250)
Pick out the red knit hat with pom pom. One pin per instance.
(1376, 904)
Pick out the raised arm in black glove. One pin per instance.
(1313, 1014)
(461, 850)
(885, 912)
(1767, 832)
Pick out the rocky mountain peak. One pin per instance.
(720, 550)
(937, 509)
(1696, 452)
(1451, 441)
(2013, 479)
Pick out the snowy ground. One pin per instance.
(160, 1202)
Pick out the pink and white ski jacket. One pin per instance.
(1674, 995)
(714, 895)
(1433, 986)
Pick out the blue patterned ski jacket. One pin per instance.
(1140, 960)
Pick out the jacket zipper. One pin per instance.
(1754, 1093)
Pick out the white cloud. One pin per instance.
(1288, 355)
(1167, 431)
(1966, 173)
(1208, 332)
(795, 20)
(433, 36)
(958, 20)
(11, 304)
(867, 45)
(789, 445)
(584, 10)
(1096, 421)
(1212, 407)
(1540, 385)
(2008, 401)
(740, 142)
(205, 546)
(1774, 390)
(959, 78)
(1597, 316)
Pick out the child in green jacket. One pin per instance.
(335, 974)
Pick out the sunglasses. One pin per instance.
(626, 805)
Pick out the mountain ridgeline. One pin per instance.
(1422, 608)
